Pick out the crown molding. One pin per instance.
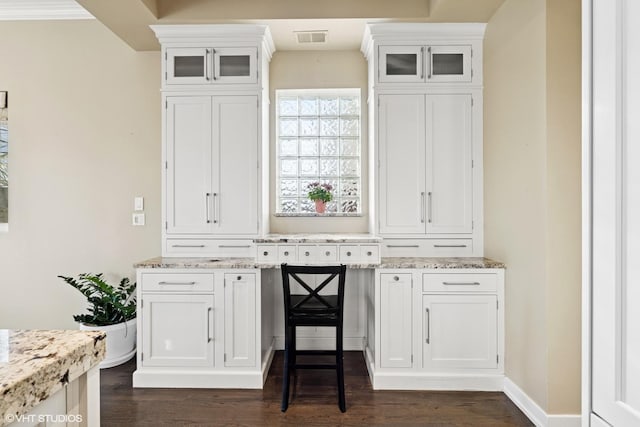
(34, 10)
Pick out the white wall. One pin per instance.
(84, 140)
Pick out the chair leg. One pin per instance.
(340, 369)
(286, 370)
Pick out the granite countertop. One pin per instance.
(319, 238)
(396, 262)
(35, 364)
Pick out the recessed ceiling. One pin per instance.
(343, 20)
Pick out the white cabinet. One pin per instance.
(211, 167)
(395, 320)
(420, 64)
(200, 328)
(215, 127)
(177, 330)
(425, 151)
(460, 331)
(210, 65)
(239, 319)
(426, 117)
(438, 329)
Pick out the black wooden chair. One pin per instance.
(308, 307)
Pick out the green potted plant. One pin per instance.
(112, 309)
(320, 193)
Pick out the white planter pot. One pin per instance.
(121, 342)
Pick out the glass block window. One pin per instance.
(318, 134)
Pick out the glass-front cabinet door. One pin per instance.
(449, 64)
(401, 64)
(188, 66)
(235, 65)
(211, 65)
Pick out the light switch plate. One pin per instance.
(138, 203)
(138, 219)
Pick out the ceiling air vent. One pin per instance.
(304, 37)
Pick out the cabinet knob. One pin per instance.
(396, 278)
(265, 253)
(286, 253)
(369, 253)
(306, 253)
(348, 253)
(239, 278)
(327, 253)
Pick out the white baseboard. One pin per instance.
(534, 412)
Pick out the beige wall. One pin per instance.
(564, 204)
(319, 69)
(532, 192)
(85, 139)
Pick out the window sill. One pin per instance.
(315, 214)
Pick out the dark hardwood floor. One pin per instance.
(313, 403)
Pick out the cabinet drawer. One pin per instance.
(177, 282)
(370, 253)
(267, 253)
(459, 282)
(327, 254)
(286, 254)
(349, 254)
(427, 247)
(210, 247)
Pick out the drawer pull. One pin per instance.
(239, 278)
(265, 253)
(396, 278)
(177, 283)
(286, 253)
(461, 283)
(234, 246)
(187, 246)
(403, 246)
(306, 253)
(209, 336)
(369, 253)
(427, 326)
(449, 246)
(348, 253)
(327, 253)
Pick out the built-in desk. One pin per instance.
(422, 323)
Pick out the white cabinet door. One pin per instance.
(395, 320)
(235, 65)
(187, 66)
(460, 331)
(235, 159)
(401, 64)
(449, 64)
(449, 169)
(615, 209)
(240, 319)
(401, 153)
(188, 171)
(177, 330)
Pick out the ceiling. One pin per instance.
(344, 20)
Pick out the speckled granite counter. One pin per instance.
(400, 262)
(35, 364)
(319, 238)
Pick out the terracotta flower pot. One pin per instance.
(320, 206)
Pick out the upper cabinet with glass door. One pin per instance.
(419, 64)
(425, 53)
(202, 66)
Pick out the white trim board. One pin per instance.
(28, 10)
(534, 412)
